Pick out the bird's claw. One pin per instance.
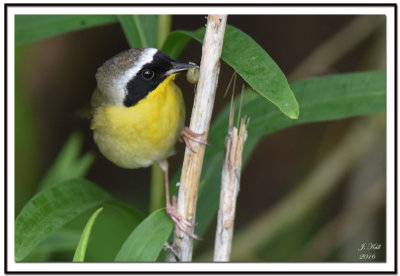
(179, 221)
(188, 135)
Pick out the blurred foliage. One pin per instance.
(140, 30)
(31, 28)
(49, 226)
(68, 164)
(25, 136)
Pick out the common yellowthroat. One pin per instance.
(138, 113)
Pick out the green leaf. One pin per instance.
(113, 227)
(176, 42)
(140, 30)
(324, 98)
(147, 240)
(60, 241)
(68, 163)
(251, 62)
(50, 209)
(30, 28)
(83, 242)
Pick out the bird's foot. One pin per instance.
(188, 135)
(179, 221)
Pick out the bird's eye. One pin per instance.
(148, 74)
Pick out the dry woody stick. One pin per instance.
(230, 185)
(199, 123)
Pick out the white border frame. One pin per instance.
(12, 266)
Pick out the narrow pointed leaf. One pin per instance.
(113, 226)
(251, 62)
(50, 209)
(80, 251)
(147, 240)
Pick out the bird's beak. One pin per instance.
(178, 67)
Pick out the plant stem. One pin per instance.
(157, 176)
(230, 183)
(156, 188)
(199, 123)
(164, 28)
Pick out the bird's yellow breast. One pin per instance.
(144, 133)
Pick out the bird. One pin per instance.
(138, 114)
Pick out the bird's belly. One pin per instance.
(137, 136)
